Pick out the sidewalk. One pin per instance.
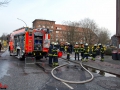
(109, 65)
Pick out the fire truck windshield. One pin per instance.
(38, 34)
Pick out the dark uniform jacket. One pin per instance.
(68, 50)
(54, 51)
(76, 49)
(50, 50)
(94, 50)
(86, 50)
(102, 50)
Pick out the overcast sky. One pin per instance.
(103, 12)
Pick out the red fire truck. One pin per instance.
(29, 42)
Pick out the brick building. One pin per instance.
(59, 32)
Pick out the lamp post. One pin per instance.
(22, 21)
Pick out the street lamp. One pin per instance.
(23, 21)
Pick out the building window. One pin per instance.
(51, 26)
(43, 26)
(60, 39)
(58, 28)
(56, 39)
(57, 31)
(39, 25)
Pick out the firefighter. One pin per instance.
(98, 47)
(94, 51)
(102, 51)
(86, 52)
(68, 51)
(82, 50)
(55, 55)
(76, 50)
(51, 54)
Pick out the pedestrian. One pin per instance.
(55, 55)
(94, 52)
(50, 54)
(76, 50)
(68, 51)
(0, 46)
(82, 50)
(86, 52)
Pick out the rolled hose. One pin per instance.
(76, 82)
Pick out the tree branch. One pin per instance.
(5, 2)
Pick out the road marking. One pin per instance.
(68, 85)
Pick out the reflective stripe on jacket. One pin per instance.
(76, 50)
(86, 50)
(55, 52)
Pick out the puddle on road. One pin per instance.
(100, 72)
(4, 67)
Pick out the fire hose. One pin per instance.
(76, 82)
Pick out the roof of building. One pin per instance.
(42, 20)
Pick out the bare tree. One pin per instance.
(4, 2)
(104, 36)
(72, 32)
(4, 37)
(90, 31)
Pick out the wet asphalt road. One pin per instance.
(18, 77)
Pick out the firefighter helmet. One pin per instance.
(68, 43)
(55, 43)
(86, 44)
(95, 44)
(99, 44)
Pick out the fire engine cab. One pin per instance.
(29, 42)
